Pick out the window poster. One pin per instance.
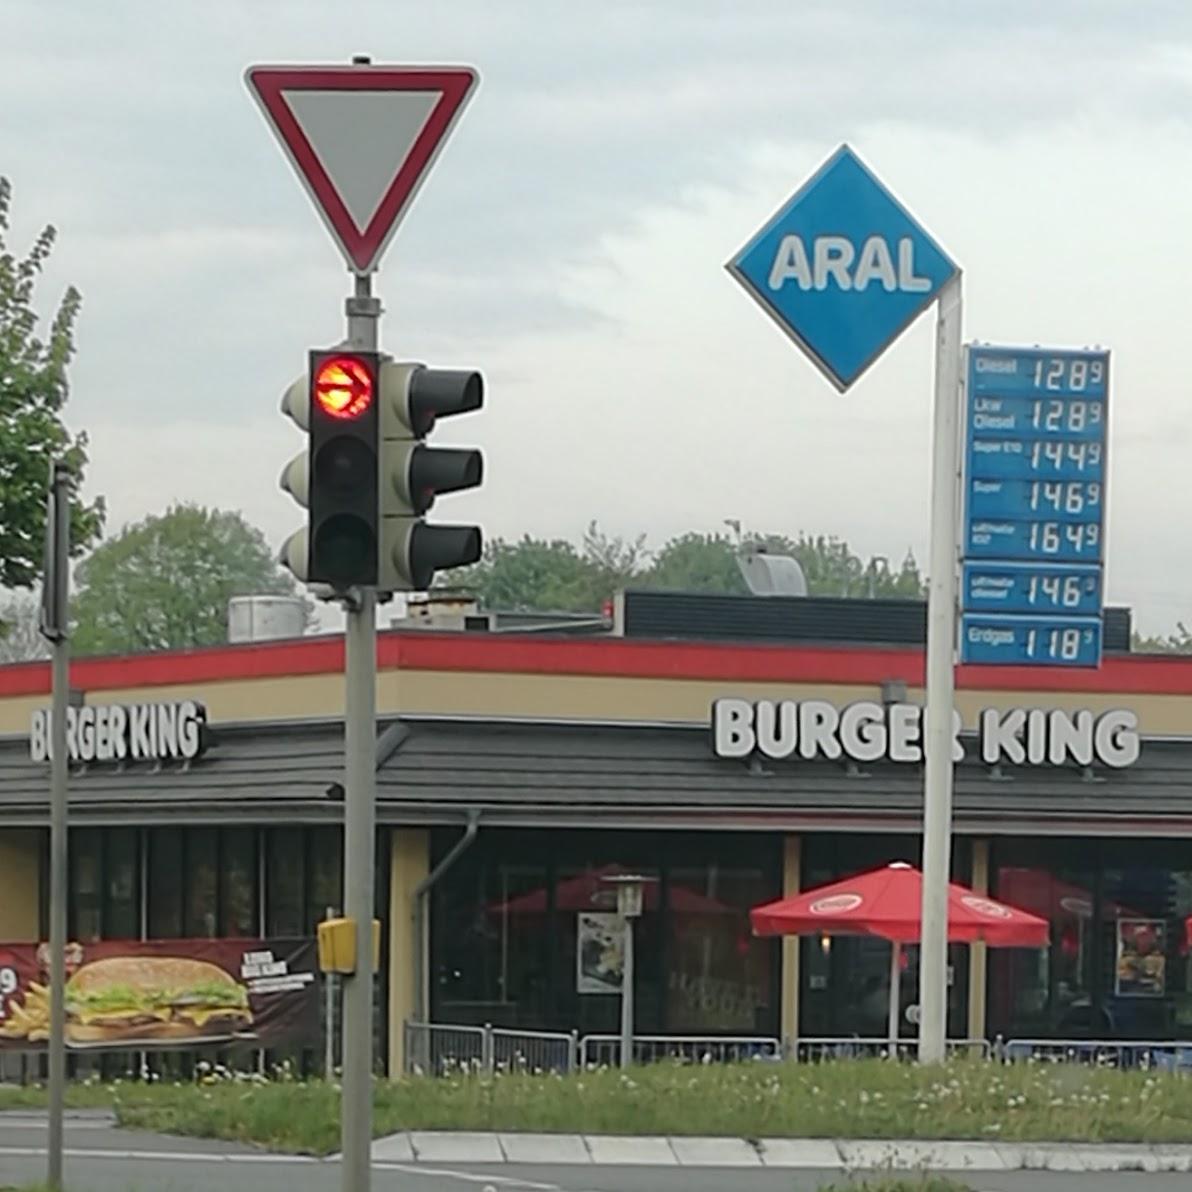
(1141, 958)
(599, 952)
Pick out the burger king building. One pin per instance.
(730, 749)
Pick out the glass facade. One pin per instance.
(845, 980)
(1118, 966)
(524, 933)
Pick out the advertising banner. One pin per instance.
(163, 994)
(599, 952)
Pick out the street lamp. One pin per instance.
(629, 887)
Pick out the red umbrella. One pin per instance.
(888, 903)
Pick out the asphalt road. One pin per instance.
(103, 1159)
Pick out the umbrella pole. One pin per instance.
(895, 991)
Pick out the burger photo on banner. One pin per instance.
(163, 993)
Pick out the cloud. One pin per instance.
(572, 239)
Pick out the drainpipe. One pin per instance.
(419, 915)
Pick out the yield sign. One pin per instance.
(362, 139)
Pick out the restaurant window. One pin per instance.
(86, 880)
(202, 883)
(285, 881)
(238, 882)
(104, 900)
(1118, 964)
(845, 980)
(166, 883)
(719, 974)
(525, 932)
(324, 884)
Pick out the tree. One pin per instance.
(696, 562)
(20, 637)
(532, 574)
(708, 563)
(540, 575)
(1179, 642)
(33, 392)
(164, 582)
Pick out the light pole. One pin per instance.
(629, 887)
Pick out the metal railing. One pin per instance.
(1167, 1056)
(438, 1048)
(532, 1051)
(853, 1047)
(434, 1049)
(605, 1050)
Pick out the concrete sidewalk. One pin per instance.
(811, 1153)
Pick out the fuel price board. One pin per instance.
(1034, 506)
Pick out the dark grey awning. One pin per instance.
(249, 773)
(609, 775)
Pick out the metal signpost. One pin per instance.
(843, 268)
(1036, 446)
(362, 138)
(55, 627)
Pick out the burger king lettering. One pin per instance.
(868, 732)
(117, 733)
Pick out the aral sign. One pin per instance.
(868, 732)
(124, 732)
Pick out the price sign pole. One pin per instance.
(941, 647)
(844, 268)
(55, 628)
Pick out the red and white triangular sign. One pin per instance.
(362, 139)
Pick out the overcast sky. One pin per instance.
(571, 243)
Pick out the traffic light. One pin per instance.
(336, 478)
(413, 399)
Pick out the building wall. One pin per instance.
(410, 866)
(20, 864)
(566, 696)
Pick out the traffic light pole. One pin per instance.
(360, 749)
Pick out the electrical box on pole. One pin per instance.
(413, 399)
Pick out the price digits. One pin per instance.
(1048, 538)
(1052, 456)
(1063, 644)
(1056, 591)
(1057, 415)
(1073, 497)
(1075, 374)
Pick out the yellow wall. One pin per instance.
(410, 865)
(20, 859)
(978, 953)
(792, 859)
(567, 696)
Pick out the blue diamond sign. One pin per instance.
(843, 268)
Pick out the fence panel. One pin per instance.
(433, 1049)
(852, 1047)
(533, 1051)
(605, 1050)
(1169, 1055)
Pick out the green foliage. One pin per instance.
(164, 582)
(535, 574)
(966, 1099)
(33, 392)
(1179, 642)
(20, 638)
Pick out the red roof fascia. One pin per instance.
(722, 662)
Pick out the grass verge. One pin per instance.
(862, 1099)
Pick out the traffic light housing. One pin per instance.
(413, 399)
(368, 478)
(336, 478)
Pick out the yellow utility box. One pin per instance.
(337, 945)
